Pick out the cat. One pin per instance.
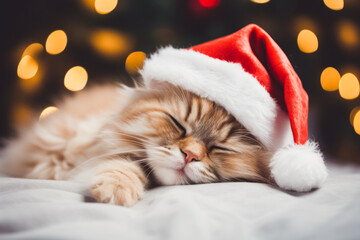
(123, 140)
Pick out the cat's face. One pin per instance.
(188, 139)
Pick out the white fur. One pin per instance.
(222, 82)
(299, 167)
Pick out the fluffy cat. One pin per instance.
(123, 140)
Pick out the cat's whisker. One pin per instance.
(146, 160)
(162, 149)
(115, 153)
(134, 141)
(134, 137)
(107, 155)
(151, 171)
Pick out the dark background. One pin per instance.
(182, 23)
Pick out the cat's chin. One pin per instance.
(171, 176)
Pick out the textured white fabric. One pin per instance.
(40, 209)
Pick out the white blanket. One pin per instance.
(41, 209)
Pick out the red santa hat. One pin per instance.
(250, 76)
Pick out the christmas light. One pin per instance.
(76, 78)
(209, 3)
(307, 41)
(48, 111)
(33, 50)
(349, 86)
(30, 67)
(334, 4)
(21, 114)
(260, 1)
(353, 113)
(27, 67)
(348, 34)
(33, 84)
(134, 62)
(110, 43)
(357, 122)
(89, 4)
(105, 6)
(56, 42)
(304, 22)
(330, 79)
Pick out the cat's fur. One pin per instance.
(120, 140)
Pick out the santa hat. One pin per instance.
(249, 75)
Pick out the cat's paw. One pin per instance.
(117, 188)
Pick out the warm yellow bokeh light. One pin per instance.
(89, 4)
(110, 43)
(105, 6)
(348, 34)
(304, 22)
(260, 1)
(21, 114)
(31, 85)
(76, 78)
(357, 122)
(56, 42)
(353, 113)
(33, 50)
(349, 86)
(307, 41)
(48, 111)
(330, 79)
(334, 4)
(134, 62)
(27, 67)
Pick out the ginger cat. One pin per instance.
(123, 140)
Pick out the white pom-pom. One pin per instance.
(299, 167)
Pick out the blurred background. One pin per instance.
(55, 48)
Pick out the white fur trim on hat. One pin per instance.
(223, 82)
(298, 167)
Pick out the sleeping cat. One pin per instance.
(123, 140)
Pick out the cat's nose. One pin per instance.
(189, 156)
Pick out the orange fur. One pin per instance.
(115, 138)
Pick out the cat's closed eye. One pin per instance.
(212, 148)
(178, 125)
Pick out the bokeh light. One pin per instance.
(21, 114)
(105, 6)
(48, 111)
(349, 86)
(76, 78)
(31, 85)
(134, 62)
(89, 4)
(357, 122)
(110, 43)
(27, 67)
(348, 34)
(334, 4)
(209, 3)
(56, 42)
(307, 41)
(353, 113)
(33, 50)
(305, 22)
(329, 79)
(260, 1)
